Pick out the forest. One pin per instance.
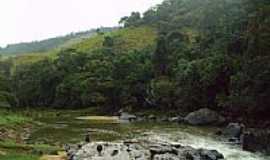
(181, 55)
(176, 58)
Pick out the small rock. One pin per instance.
(87, 138)
(152, 117)
(211, 154)
(127, 117)
(177, 119)
(218, 133)
(164, 119)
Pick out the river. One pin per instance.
(67, 129)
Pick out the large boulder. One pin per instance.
(204, 116)
(234, 130)
(141, 150)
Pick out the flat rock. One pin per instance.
(142, 150)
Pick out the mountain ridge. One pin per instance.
(51, 43)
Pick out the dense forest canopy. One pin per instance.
(180, 55)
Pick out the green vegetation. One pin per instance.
(12, 119)
(36, 149)
(124, 40)
(16, 151)
(178, 56)
(15, 156)
(49, 44)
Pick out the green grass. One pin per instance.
(34, 149)
(16, 156)
(126, 39)
(11, 119)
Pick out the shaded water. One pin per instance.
(59, 130)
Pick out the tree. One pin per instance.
(160, 57)
(133, 20)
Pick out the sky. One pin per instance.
(29, 20)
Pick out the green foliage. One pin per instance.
(160, 58)
(15, 156)
(181, 54)
(49, 44)
(134, 20)
(11, 119)
(124, 40)
(163, 91)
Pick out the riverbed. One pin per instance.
(66, 128)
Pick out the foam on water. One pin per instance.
(231, 152)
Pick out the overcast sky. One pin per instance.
(28, 20)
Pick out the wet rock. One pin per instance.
(234, 130)
(127, 117)
(204, 116)
(165, 119)
(161, 149)
(165, 156)
(234, 140)
(112, 151)
(87, 138)
(219, 133)
(256, 141)
(177, 119)
(152, 117)
(142, 150)
(140, 119)
(210, 154)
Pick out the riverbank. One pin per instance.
(48, 131)
(15, 129)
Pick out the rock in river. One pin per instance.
(204, 116)
(142, 150)
(257, 140)
(127, 117)
(234, 130)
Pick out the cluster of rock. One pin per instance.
(251, 140)
(141, 150)
(203, 116)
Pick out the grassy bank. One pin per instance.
(8, 118)
(13, 126)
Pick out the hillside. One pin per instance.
(178, 56)
(124, 39)
(50, 44)
(183, 73)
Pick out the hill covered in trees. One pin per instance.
(181, 55)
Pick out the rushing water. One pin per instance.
(231, 152)
(67, 129)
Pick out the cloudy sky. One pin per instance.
(28, 20)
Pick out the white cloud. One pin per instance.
(28, 20)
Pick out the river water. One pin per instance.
(61, 130)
